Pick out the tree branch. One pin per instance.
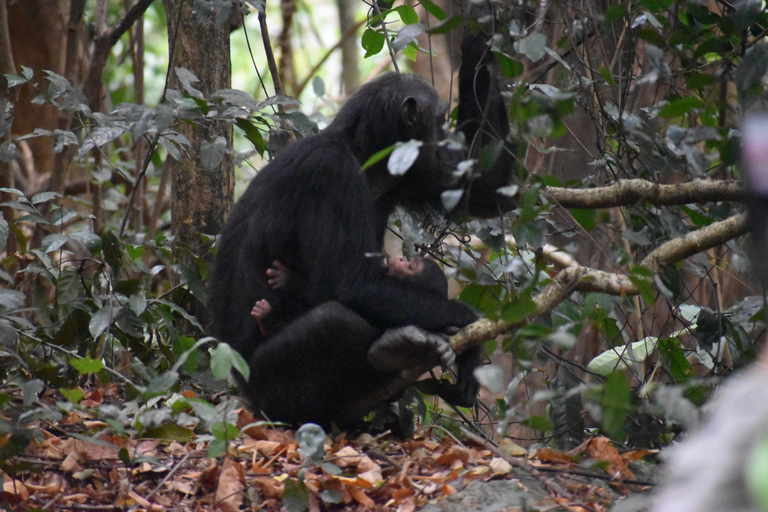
(626, 192)
(567, 281)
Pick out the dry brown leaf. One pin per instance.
(549, 455)
(75, 418)
(634, 455)
(244, 417)
(409, 505)
(402, 494)
(95, 396)
(373, 475)
(511, 448)
(452, 455)
(269, 487)
(52, 483)
(346, 457)
(93, 425)
(71, 463)
(600, 448)
(569, 506)
(229, 492)
(15, 488)
(75, 498)
(499, 466)
(447, 490)
(53, 447)
(359, 496)
(140, 500)
(263, 447)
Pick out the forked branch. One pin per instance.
(568, 280)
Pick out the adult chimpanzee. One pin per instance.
(314, 210)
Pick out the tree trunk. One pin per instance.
(350, 54)
(200, 198)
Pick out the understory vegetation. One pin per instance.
(617, 295)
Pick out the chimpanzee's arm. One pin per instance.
(464, 392)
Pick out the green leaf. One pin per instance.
(433, 9)
(87, 365)
(643, 279)
(171, 432)
(532, 46)
(224, 431)
(377, 157)
(542, 423)
(585, 218)
(311, 439)
(53, 242)
(253, 134)
(100, 321)
(510, 68)
(482, 298)
(44, 197)
(752, 68)
(447, 25)
(14, 80)
(372, 42)
(318, 86)
(606, 74)
(295, 496)
(407, 14)
(674, 356)
(224, 358)
(161, 384)
(72, 395)
(619, 358)
(517, 310)
(616, 401)
(679, 107)
(217, 448)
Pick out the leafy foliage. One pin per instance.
(92, 298)
(654, 82)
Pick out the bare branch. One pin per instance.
(695, 242)
(627, 192)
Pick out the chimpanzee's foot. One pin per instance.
(410, 347)
(261, 310)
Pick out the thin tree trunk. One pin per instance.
(350, 55)
(200, 198)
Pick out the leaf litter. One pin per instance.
(81, 464)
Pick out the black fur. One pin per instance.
(315, 211)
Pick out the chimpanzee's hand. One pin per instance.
(410, 347)
(277, 275)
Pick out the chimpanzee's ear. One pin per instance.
(410, 111)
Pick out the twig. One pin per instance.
(170, 473)
(375, 5)
(514, 461)
(270, 54)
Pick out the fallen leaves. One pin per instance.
(264, 469)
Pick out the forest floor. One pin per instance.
(83, 465)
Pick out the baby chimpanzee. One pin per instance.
(420, 272)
